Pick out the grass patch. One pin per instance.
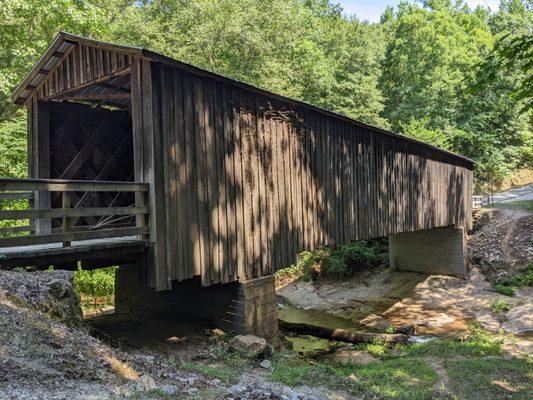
(506, 290)
(491, 378)
(478, 344)
(400, 378)
(222, 371)
(524, 205)
(499, 306)
(476, 367)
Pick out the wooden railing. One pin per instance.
(63, 230)
(477, 202)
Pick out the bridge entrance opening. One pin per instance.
(94, 144)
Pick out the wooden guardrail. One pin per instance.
(29, 189)
(477, 202)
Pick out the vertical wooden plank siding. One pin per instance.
(251, 181)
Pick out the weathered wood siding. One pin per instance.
(240, 181)
(82, 65)
(249, 181)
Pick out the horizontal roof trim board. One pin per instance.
(63, 41)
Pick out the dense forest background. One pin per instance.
(435, 70)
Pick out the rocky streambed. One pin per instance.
(376, 300)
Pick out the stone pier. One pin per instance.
(243, 308)
(433, 251)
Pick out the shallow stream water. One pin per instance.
(312, 344)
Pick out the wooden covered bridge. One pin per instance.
(186, 176)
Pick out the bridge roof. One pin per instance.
(63, 41)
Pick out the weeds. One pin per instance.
(335, 261)
(506, 290)
(508, 284)
(221, 372)
(499, 306)
(478, 344)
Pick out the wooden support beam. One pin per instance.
(60, 185)
(72, 236)
(74, 89)
(71, 212)
(16, 196)
(102, 96)
(114, 87)
(109, 249)
(15, 229)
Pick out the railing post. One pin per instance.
(65, 203)
(142, 220)
(42, 201)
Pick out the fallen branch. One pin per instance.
(342, 335)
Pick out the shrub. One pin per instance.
(499, 306)
(340, 261)
(508, 284)
(96, 283)
(506, 290)
(522, 279)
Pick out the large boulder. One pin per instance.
(51, 292)
(248, 345)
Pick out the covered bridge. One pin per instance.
(141, 160)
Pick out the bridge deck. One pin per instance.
(51, 253)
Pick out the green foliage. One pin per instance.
(13, 159)
(406, 372)
(97, 283)
(507, 285)
(478, 344)
(339, 261)
(289, 274)
(522, 279)
(13, 205)
(435, 70)
(499, 306)
(506, 290)
(419, 130)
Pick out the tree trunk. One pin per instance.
(342, 335)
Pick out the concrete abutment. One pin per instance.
(243, 308)
(433, 251)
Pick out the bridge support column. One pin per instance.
(244, 308)
(433, 251)
(256, 308)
